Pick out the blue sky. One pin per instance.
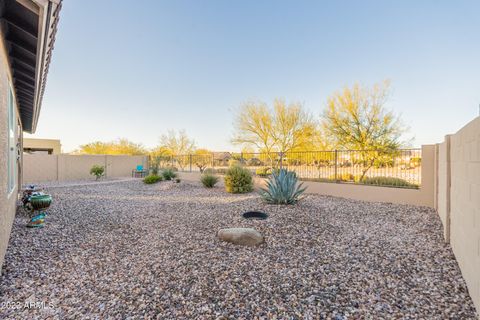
(135, 69)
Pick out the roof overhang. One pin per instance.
(29, 28)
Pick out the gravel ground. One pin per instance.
(77, 183)
(120, 250)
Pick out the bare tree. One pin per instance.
(280, 129)
(177, 145)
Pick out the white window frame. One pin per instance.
(11, 142)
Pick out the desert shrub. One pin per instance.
(294, 162)
(388, 181)
(238, 180)
(345, 164)
(221, 170)
(209, 180)
(173, 168)
(152, 178)
(282, 188)
(216, 171)
(254, 162)
(357, 178)
(168, 174)
(383, 163)
(234, 162)
(345, 177)
(98, 171)
(415, 162)
(154, 170)
(318, 179)
(209, 171)
(263, 172)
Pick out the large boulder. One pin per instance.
(241, 236)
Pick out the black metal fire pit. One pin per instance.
(255, 215)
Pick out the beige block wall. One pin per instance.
(428, 173)
(443, 186)
(121, 166)
(370, 193)
(465, 204)
(76, 167)
(7, 200)
(40, 167)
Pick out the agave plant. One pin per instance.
(282, 188)
(168, 174)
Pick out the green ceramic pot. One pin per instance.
(41, 201)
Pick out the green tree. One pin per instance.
(160, 157)
(96, 147)
(98, 171)
(202, 158)
(357, 119)
(126, 147)
(116, 147)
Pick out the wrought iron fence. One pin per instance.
(395, 168)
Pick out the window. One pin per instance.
(12, 148)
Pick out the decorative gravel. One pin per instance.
(120, 250)
(77, 183)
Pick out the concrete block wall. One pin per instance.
(443, 186)
(465, 204)
(458, 200)
(76, 167)
(41, 167)
(121, 166)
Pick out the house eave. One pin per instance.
(49, 30)
(30, 29)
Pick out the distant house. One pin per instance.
(27, 34)
(222, 158)
(41, 146)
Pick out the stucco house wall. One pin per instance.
(52, 145)
(7, 199)
(27, 34)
